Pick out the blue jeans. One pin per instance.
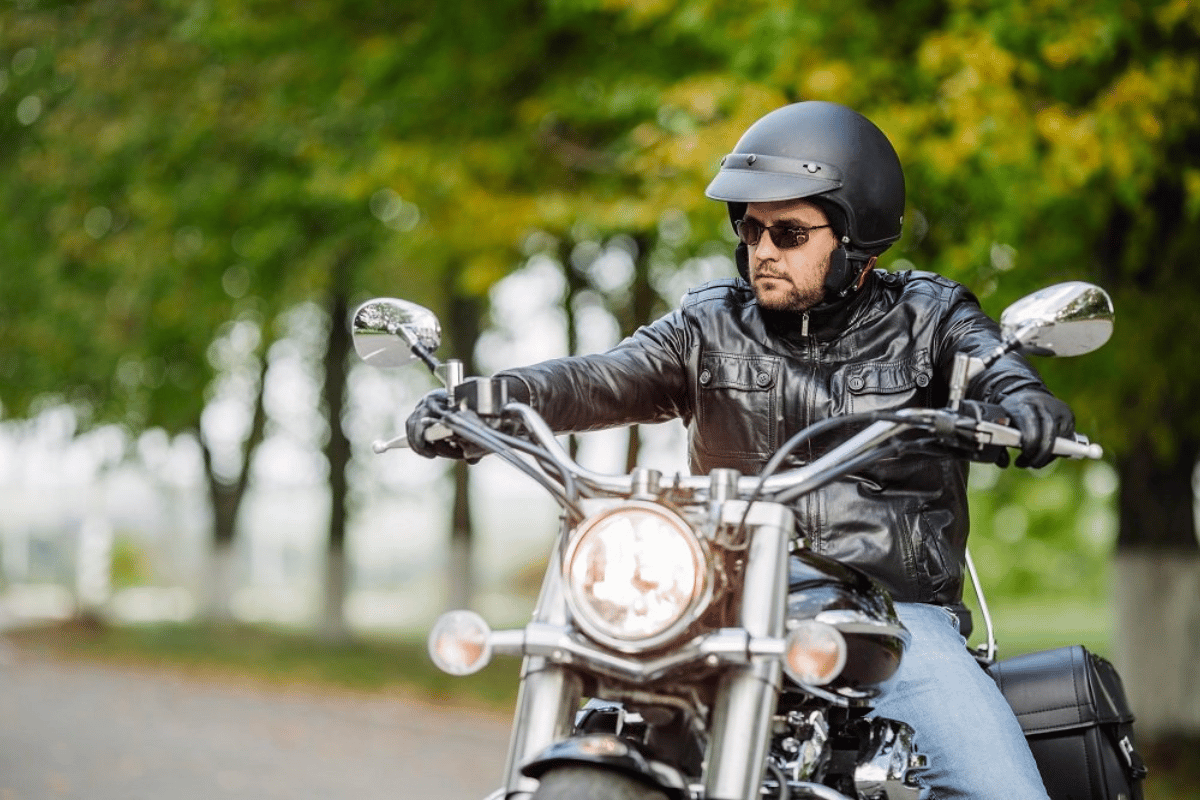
(963, 724)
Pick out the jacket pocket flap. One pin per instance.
(733, 371)
(889, 377)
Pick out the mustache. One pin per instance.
(766, 273)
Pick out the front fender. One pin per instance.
(608, 752)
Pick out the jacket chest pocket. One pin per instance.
(884, 385)
(738, 404)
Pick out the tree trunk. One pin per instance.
(337, 452)
(465, 324)
(221, 582)
(642, 300)
(226, 498)
(1157, 586)
(575, 284)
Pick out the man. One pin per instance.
(815, 193)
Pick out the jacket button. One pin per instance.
(857, 383)
(763, 379)
(705, 377)
(922, 380)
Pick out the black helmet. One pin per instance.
(829, 154)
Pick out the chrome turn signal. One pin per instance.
(814, 653)
(460, 643)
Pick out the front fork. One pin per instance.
(549, 694)
(546, 705)
(746, 700)
(747, 696)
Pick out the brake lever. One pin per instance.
(436, 432)
(485, 396)
(991, 433)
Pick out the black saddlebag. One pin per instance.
(1073, 710)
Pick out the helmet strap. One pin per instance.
(847, 272)
(741, 257)
(862, 276)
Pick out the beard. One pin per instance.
(786, 295)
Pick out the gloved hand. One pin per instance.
(432, 406)
(1040, 417)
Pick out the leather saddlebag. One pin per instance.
(1073, 710)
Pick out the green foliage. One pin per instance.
(167, 168)
(131, 565)
(1044, 532)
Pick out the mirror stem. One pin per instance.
(418, 349)
(427, 358)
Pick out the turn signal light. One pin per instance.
(460, 643)
(815, 653)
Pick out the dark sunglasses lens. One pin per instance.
(749, 231)
(786, 238)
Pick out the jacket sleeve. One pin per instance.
(642, 379)
(966, 328)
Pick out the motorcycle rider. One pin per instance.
(812, 330)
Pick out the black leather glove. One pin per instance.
(1040, 417)
(425, 415)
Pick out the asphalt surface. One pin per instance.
(73, 729)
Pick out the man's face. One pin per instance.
(792, 279)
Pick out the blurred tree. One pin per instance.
(1076, 138)
(127, 287)
(177, 166)
(1042, 142)
(241, 150)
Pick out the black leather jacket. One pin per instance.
(744, 381)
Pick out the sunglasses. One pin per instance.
(785, 237)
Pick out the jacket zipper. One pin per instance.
(811, 516)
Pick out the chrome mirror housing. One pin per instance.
(386, 330)
(1067, 319)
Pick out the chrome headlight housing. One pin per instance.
(637, 576)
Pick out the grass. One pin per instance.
(276, 656)
(1023, 626)
(289, 659)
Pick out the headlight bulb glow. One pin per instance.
(635, 575)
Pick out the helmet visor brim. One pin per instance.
(746, 178)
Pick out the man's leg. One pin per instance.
(963, 724)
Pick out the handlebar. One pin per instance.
(951, 426)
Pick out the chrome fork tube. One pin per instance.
(546, 702)
(747, 696)
(549, 694)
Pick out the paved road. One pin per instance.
(80, 730)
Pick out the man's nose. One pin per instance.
(766, 250)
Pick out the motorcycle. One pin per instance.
(685, 644)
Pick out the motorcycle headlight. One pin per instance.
(636, 576)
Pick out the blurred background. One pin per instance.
(196, 195)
